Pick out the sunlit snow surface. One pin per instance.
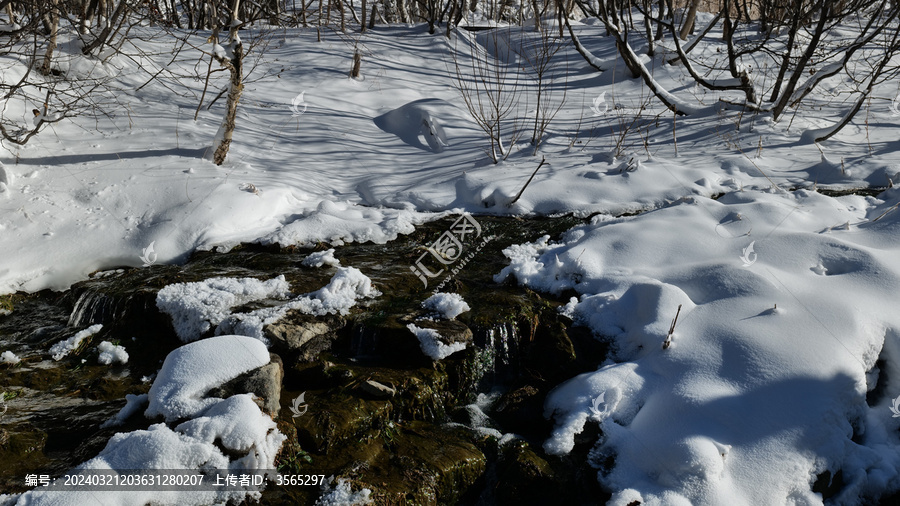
(747, 405)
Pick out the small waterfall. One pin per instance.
(96, 307)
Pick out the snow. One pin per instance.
(59, 350)
(346, 287)
(747, 406)
(196, 307)
(343, 495)
(742, 379)
(449, 305)
(218, 434)
(8, 357)
(430, 341)
(111, 353)
(189, 372)
(320, 258)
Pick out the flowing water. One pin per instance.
(436, 441)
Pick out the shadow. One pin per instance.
(122, 155)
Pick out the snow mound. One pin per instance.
(320, 258)
(63, 348)
(190, 371)
(432, 345)
(449, 305)
(196, 307)
(746, 394)
(415, 121)
(111, 353)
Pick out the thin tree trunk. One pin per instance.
(235, 88)
(688, 25)
(51, 43)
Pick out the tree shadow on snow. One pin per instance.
(121, 155)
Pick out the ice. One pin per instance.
(59, 350)
(111, 353)
(432, 345)
(320, 258)
(196, 307)
(133, 404)
(343, 495)
(8, 357)
(449, 305)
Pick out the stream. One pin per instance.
(464, 430)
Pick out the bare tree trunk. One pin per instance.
(688, 25)
(51, 42)
(362, 26)
(235, 87)
(107, 30)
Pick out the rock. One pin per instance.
(264, 382)
(308, 334)
(377, 389)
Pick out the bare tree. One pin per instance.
(230, 57)
(490, 90)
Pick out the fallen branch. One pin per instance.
(543, 159)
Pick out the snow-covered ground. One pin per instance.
(787, 297)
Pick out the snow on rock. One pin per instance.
(189, 372)
(343, 495)
(449, 305)
(236, 422)
(345, 288)
(226, 435)
(748, 395)
(340, 294)
(63, 348)
(196, 307)
(432, 345)
(111, 353)
(8, 357)
(320, 258)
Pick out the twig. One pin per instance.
(889, 210)
(543, 159)
(668, 341)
